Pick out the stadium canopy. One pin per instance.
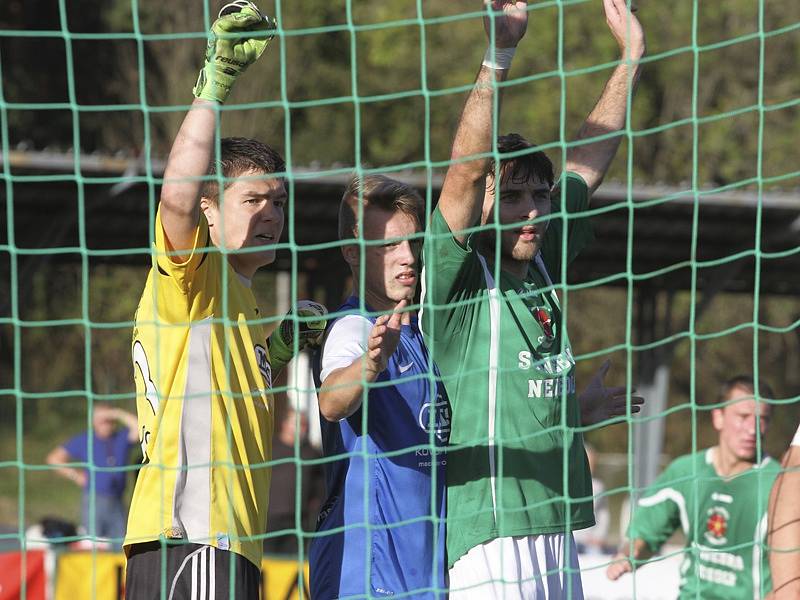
(646, 236)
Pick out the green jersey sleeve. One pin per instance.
(657, 514)
(452, 275)
(579, 228)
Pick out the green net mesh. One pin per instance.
(692, 277)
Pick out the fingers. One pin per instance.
(618, 568)
(616, 391)
(397, 316)
(610, 7)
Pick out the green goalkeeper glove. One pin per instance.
(281, 342)
(237, 38)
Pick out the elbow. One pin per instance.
(174, 200)
(331, 410)
(468, 171)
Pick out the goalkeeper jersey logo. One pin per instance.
(263, 365)
(717, 526)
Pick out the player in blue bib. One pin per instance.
(384, 413)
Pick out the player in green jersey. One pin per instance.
(784, 526)
(494, 325)
(718, 497)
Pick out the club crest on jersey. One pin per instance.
(717, 526)
(545, 321)
(263, 365)
(441, 418)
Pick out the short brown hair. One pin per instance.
(523, 166)
(381, 192)
(746, 383)
(238, 156)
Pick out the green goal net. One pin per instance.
(690, 280)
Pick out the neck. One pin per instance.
(728, 465)
(375, 301)
(241, 269)
(517, 268)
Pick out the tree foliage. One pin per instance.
(389, 80)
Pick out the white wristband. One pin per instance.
(498, 59)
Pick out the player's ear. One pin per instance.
(717, 418)
(351, 254)
(209, 208)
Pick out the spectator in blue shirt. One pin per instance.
(111, 446)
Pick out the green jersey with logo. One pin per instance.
(503, 352)
(724, 521)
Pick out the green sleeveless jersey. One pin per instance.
(504, 356)
(724, 521)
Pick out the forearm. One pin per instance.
(784, 528)
(130, 422)
(591, 160)
(464, 184)
(76, 476)
(343, 390)
(641, 550)
(188, 162)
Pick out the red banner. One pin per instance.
(12, 575)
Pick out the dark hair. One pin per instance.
(238, 156)
(746, 383)
(522, 166)
(381, 192)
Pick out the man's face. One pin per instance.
(739, 422)
(391, 267)
(250, 216)
(521, 202)
(103, 422)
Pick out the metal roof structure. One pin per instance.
(647, 235)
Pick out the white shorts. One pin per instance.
(532, 567)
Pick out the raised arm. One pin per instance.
(237, 38)
(464, 184)
(129, 421)
(783, 535)
(591, 161)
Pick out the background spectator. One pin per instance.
(111, 446)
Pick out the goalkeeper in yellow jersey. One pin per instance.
(203, 364)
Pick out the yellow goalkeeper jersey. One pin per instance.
(204, 403)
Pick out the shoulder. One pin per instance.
(686, 464)
(574, 189)
(770, 465)
(348, 327)
(122, 437)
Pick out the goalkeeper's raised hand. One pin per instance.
(237, 38)
(309, 330)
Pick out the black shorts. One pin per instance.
(193, 572)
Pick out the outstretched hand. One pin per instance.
(385, 336)
(236, 40)
(510, 20)
(618, 567)
(600, 403)
(625, 28)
